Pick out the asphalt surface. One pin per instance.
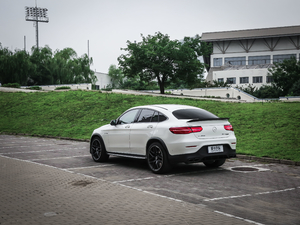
(52, 181)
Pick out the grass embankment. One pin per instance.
(263, 130)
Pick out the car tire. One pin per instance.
(98, 150)
(214, 163)
(157, 158)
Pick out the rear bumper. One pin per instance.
(203, 155)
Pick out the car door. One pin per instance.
(119, 134)
(141, 131)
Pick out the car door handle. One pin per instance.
(128, 126)
(150, 126)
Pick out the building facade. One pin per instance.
(243, 57)
(103, 80)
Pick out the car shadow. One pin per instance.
(142, 166)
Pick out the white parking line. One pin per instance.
(51, 150)
(151, 193)
(251, 195)
(13, 142)
(25, 146)
(131, 180)
(87, 167)
(66, 157)
(239, 218)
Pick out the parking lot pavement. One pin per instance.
(51, 181)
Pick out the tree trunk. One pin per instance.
(161, 84)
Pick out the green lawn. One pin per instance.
(264, 130)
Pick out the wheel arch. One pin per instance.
(101, 139)
(157, 139)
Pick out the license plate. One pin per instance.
(215, 149)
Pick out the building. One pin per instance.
(103, 80)
(243, 57)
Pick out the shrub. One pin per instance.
(34, 88)
(62, 87)
(12, 85)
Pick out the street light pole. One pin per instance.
(36, 15)
(36, 29)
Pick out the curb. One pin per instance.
(239, 156)
(44, 136)
(268, 160)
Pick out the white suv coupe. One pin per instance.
(164, 135)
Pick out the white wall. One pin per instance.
(103, 80)
(72, 86)
(226, 93)
(250, 73)
(219, 94)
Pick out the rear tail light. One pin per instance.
(228, 127)
(185, 130)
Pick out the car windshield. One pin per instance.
(185, 114)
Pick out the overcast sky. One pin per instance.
(108, 24)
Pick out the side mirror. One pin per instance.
(113, 122)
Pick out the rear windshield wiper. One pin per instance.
(206, 119)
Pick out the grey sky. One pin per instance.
(109, 24)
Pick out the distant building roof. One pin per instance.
(251, 34)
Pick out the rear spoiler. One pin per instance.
(198, 119)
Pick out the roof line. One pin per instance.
(251, 33)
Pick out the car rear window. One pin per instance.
(185, 114)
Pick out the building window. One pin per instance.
(244, 80)
(217, 62)
(231, 80)
(269, 79)
(257, 79)
(256, 60)
(235, 61)
(280, 58)
(220, 80)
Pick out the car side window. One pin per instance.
(151, 116)
(128, 117)
(145, 116)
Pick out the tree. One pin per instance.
(159, 58)
(285, 75)
(295, 89)
(116, 76)
(15, 67)
(64, 67)
(43, 67)
(42, 60)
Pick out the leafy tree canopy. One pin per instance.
(286, 76)
(116, 76)
(44, 67)
(159, 58)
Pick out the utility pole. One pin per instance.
(25, 43)
(88, 45)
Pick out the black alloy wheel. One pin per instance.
(157, 158)
(98, 150)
